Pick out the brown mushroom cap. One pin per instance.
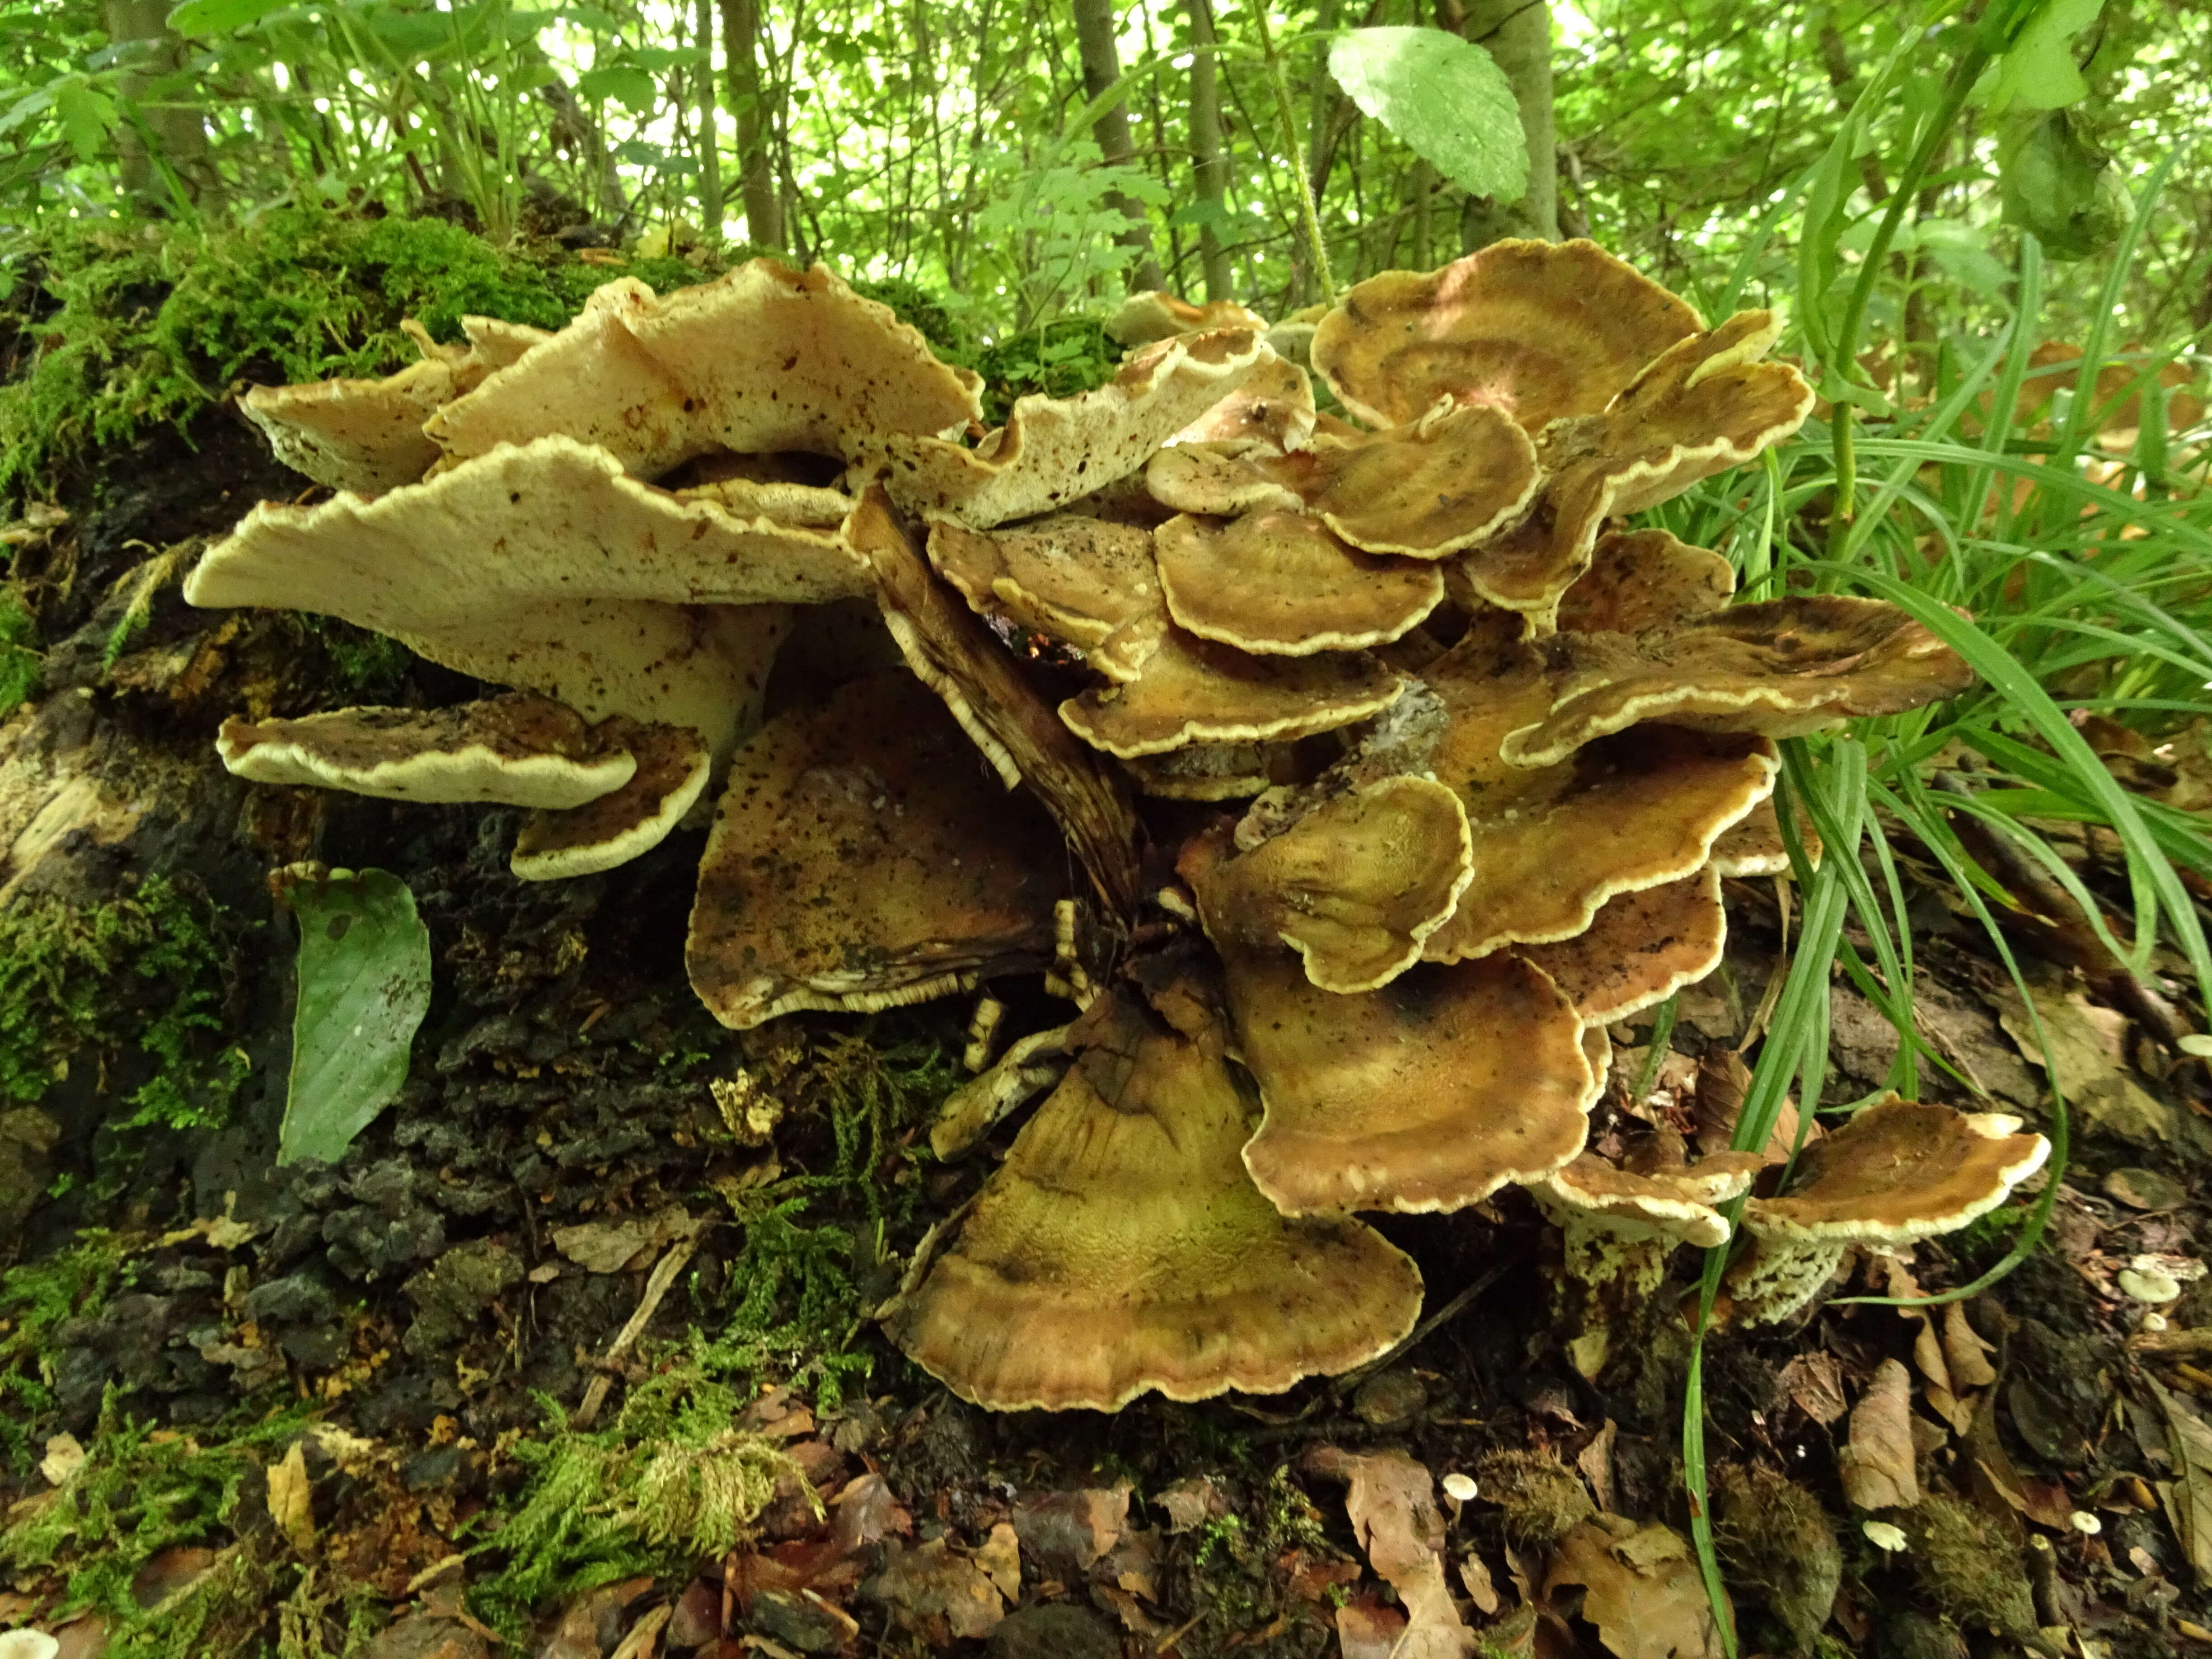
(1073, 578)
(1782, 667)
(1621, 1223)
(1898, 1172)
(1225, 478)
(1705, 405)
(1120, 1247)
(763, 358)
(1354, 887)
(519, 750)
(359, 435)
(1273, 405)
(1193, 690)
(861, 857)
(1053, 450)
(1552, 845)
(1640, 948)
(1640, 580)
(1156, 314)
(1429, 1094)
(954, 653)
(1541, 330)
(672, 765)
(1280, 584)
(1208, 771)
(1451, 479)
(1753, 845)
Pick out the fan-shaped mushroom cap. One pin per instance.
(1076, 579)
(1705, 405)
(1640, 580)
(763, 358)
(1354, 887)
(952, 652)
(1898, 1172)
(1190, 690)
(1156, 314)
(1280, 584)
(1622, 1224)
(1214, 771)
(862, 857)
(1053, 450)
(1783, 667)
(1640, 948)
(1120, 1247)
(627, 822)
(1753, 845)
(1541, 330)
(1552, 845)
(1429, 1094)
(1452, 478)
(519, 750)
(1273, 405)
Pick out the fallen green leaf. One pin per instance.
(1445, 97)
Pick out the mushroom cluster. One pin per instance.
(1361, 773)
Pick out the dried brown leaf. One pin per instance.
(1642, 1589)
(2188, 1496)
(1876, 1463)
(935, 1595)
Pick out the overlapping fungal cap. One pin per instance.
(1783, 667)
(366, 435)
(1622, 1221)
(1156, 314)
(762, 359)
(1640, 948)
(518, 750)
(1283, 584)
(1121, 1249)
(1541, 330)
(1054, 451)
(1706, 404)
(863, 856)
(1897, 1173)
(673, 763)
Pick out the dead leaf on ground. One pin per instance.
(65, 1457)
(1596, 1462)
(936, 1595)
(1392, 1505)
(1000, 1556)
(2044, 1502)
(1641, 1589)
(605, 1247)
(2087, 1051)
(1814, 1384)
(291, 1499)
(2188, 1496)
(1876, 1462)
(1191, 1503)
(1475, 1575)
(1065, 1532)
(1967, 1353)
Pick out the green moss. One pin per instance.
(1541, 1497)
(369, 667)
(1059, 360)
(921, 309)
(138, 1492)
(36, 1296)
(149, 971)
(137, 328)
(20, 663)
(670, 1482)
(1967, 1569)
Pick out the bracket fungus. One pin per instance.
(1452, 762)
(1897, 1173)
(1621, 1222)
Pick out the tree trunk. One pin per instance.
(1518, 35)
(162, 142)
(755, 169)
(710, 136)
(1209, 169)
(1102, 71)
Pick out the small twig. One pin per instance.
(656, 1287)
(1421, 1332)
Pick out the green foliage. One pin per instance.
(36, 1296)
(668, 1483)
(149, 970)
(364, 979)
(20, 665)
(139, 328)
(1056, 361)
(2059, 184)
(1445, 97)
(139, 1492)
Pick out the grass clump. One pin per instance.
(121, 331)
(669, 1483)
(148, 973)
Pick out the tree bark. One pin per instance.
(764, 222)
(710, 136)
(1518, 35)
(154, 139)
(1102, 71)
(1209, 167)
